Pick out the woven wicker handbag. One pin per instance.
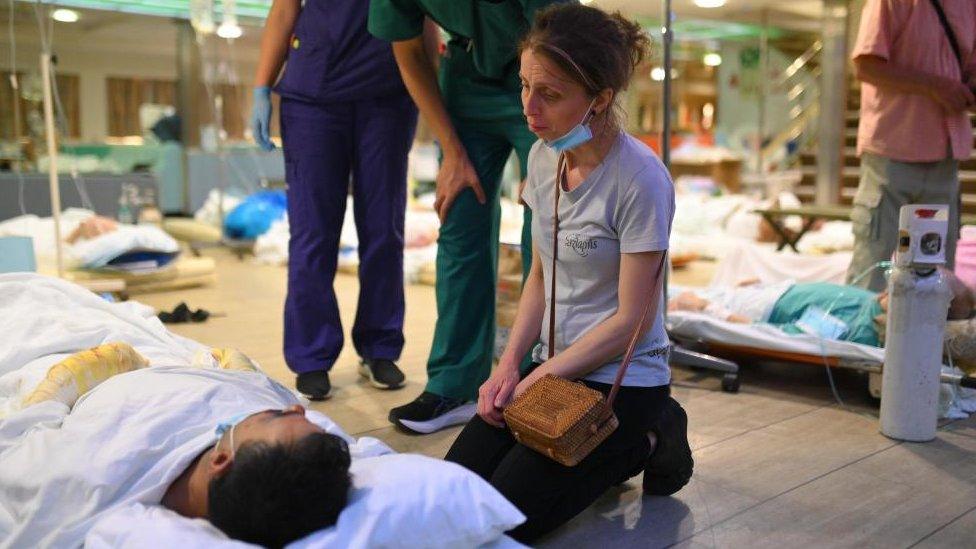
(566, 420)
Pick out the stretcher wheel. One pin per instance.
(730, 383)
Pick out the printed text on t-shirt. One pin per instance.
(581, 244)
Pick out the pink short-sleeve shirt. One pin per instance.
(911, 127)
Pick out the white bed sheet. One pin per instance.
(86, 253)
(125, 441)
(954, 402)
(41, 229)
(763, 336)
(714, 226)
(44, 320)
(139, 526)
(745, 260)
(95, 475)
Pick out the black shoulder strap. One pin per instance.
(949, 33)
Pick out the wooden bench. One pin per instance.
(810, 215)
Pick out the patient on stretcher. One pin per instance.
(832, 311)
(219, 441)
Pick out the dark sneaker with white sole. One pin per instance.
(429, 413)
(382, 373)
(670, 465)
(314, 385)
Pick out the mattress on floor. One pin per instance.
(43, 320)
(171, 285)
(185, 272)
(191, 230)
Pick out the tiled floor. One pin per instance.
(779, 464)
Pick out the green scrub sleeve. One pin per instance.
(395, 20)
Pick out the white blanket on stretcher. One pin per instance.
(954, 402)
(751, 260)
(713, 226)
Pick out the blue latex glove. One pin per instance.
(261, 117)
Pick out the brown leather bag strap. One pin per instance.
(560, 167)
(655, 294)
(655, 297)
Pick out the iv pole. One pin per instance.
(680, 355)
(667, 37)
(52, 154)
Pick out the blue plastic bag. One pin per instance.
(253, 217)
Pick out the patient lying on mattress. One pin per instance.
(265, 473)
(833, 311)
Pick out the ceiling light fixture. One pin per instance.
(657, 74)
(228, 27)
(229, 30)
(709, 3)
(64, 16)
(712, 59)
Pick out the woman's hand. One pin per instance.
(456, 174)
(528, 381)
(495, 394)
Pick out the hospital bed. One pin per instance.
(698, 333)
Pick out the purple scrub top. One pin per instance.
(333, 58)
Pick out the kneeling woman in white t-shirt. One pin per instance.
(615, 204)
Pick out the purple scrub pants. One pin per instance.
(333, 150)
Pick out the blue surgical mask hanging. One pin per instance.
(229, 423)
(575, 137)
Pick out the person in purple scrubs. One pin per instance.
(347, 124)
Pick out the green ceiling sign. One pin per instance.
(684, 29)
(254, 9)
(698, 30)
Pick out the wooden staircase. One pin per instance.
(806, 189)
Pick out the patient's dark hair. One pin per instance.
(276, 493)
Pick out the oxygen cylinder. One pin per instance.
(918, 303)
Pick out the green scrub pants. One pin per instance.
(467, 260)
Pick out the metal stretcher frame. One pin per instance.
(873, 368)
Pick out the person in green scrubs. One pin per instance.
(474, 108)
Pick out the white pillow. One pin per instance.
(407, 500)
(397, 501)
(137, 526)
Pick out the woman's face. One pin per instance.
(553, 103)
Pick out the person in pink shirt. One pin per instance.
(917, 69)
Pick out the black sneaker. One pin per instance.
(670, 466)
(430, 412)
(382, 373)
(314, 385)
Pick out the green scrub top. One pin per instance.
(479, 73)
(855, 306)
